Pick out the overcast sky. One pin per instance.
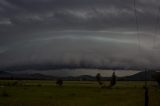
(95, 32)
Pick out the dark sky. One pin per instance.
(94, 32)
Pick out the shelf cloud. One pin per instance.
(97, 33)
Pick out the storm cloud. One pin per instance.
(44, 34)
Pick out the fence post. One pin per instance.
(146, 97)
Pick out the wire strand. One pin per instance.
(137, 25)
(156, 27)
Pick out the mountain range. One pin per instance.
(37, 76)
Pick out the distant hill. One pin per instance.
(137, 77)
(4, 73)
(140, 76)
(8, 75)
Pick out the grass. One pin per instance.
(76, 93)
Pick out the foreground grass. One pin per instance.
(75, 93)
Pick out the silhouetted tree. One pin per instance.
(98, 77)
(59, 82)
(113, 80)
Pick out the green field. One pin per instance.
(75, 93)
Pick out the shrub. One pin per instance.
(5, 94)
(59, 82)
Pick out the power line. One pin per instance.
(156, 27)
(137, 25)
(146, 97)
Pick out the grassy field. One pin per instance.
(75, 93)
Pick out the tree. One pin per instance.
(98, 77)
(59, 82)
(113, 80)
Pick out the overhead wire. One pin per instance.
(137, 25)
(139, 44)
(157, 22)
